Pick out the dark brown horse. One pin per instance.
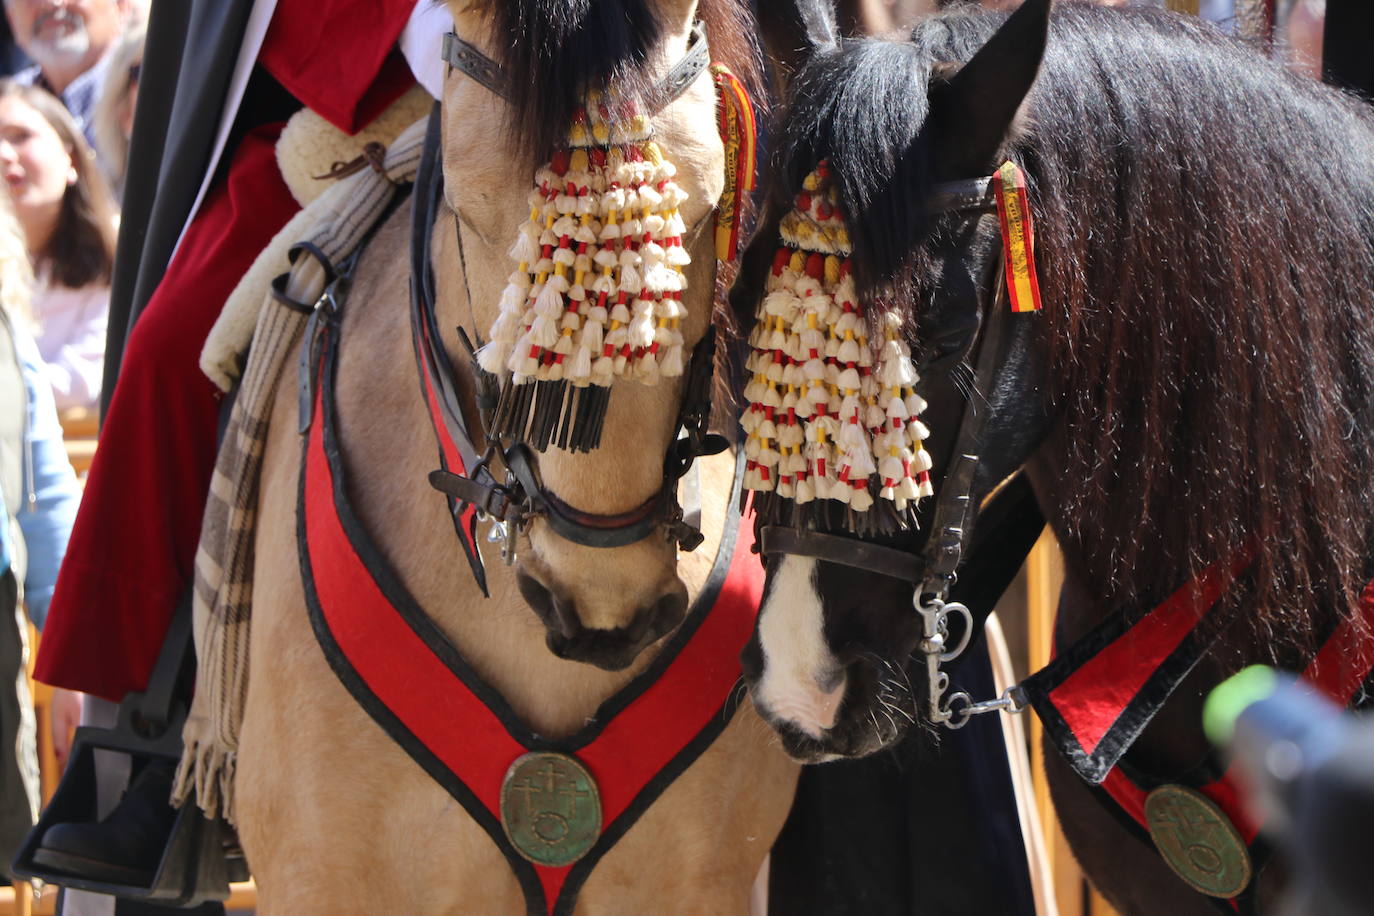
(1194, 395)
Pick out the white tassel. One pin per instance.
(672, 363)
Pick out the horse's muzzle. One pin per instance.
(611, 649)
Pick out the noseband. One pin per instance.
(934, 570)
(514, 502)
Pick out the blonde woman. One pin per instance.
(38, 500)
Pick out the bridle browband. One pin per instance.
(935, 569)
(464, 57)
(515, 502)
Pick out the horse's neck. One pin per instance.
(1173, 742)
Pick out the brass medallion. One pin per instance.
(1198, 841)
(550, 808)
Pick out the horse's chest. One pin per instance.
(553, 808)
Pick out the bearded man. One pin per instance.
(69, 42)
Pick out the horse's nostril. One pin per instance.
(558, 615)
(832, 680)
(666, 613)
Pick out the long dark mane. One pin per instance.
(554, 51)
(1205, 223)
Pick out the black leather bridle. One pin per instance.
(934, 571)
(521, 497)
(935, 567)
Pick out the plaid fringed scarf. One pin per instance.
(224, 560)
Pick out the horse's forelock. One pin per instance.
(863, 108)
(554, 51)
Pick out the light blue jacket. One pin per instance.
(49, 506)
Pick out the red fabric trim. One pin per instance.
(1347, 658)
(1339, 669)
(338, 57)
(453, 723)
(135, 536)
(1093, 697)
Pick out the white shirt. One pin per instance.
(71, 338)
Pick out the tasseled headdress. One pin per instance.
(596, 293)
(826, 419)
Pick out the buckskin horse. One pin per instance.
(1187, 392)
(691, 789)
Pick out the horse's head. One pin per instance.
(612, 72)
(902, 126)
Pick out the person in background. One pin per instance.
(38, 501)
(12, 58)
(134, 541)
(68, 217)
(69, 42)
(1304, 28)
(113, 120)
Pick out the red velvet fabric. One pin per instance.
(339, 57)
(132, 549)
(1091, 699)
(135, 537)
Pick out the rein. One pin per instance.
(515, 501)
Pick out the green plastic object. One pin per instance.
(1230, 698)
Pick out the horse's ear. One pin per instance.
(976, 108)
(795, 30)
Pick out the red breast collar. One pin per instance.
(1096, 697)
(415, 683)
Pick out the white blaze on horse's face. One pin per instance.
(486, 184)
(802, 683)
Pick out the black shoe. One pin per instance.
(127, 846)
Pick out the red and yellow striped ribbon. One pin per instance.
(739, 134)
(1018, 238)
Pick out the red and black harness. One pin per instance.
(1098, 695)
(416, 684)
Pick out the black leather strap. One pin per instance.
(847, 551)
(945, 547)
(970, 194)
(587, 530)
(468, 60)
(1013, 522)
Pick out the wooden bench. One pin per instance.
(79, 429)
